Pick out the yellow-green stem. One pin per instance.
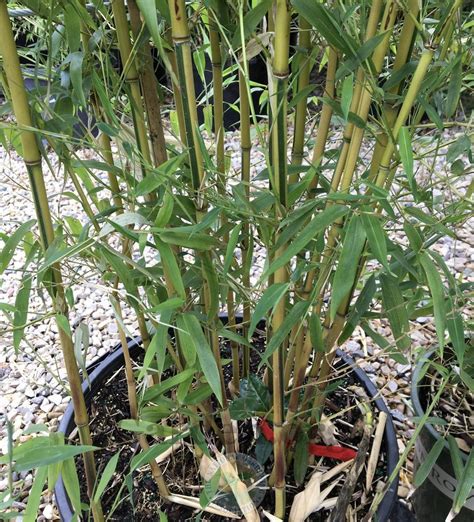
(32, 159)
(279, 168)
(304, 70)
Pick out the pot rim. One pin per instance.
(416, 401)
(109, 363)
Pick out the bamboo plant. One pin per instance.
(170, 229)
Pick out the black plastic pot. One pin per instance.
(102, 369)
(434, 498)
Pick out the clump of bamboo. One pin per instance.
(299, 367)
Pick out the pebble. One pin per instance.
(392, 386)
(48, 512)
(55, 398)
(46, 406)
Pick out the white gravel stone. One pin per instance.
(48, 512)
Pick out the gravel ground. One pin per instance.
(31, 381)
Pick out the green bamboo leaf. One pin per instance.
(197, 396)
(396, 311)
(396, 77)
(456, 457)
(429, 461)
(361, 55)
(166, 210)
(295, 315)
(163, 8)
(157, 348)
(72, 23)
(12, 242)
(251, 21)
(158, 176)
(233, 336)
(314, 227)
(346, 95)
(465, 485)
(171, 267)
(300, 465)
(209, 490)
(253, 397)
(212, 282)
(149, 428)
(270, 298)
(461, 146)
(429, 220)
(231, 246)
(321, 18)
(406, 155)
(34, 495)
(204, 353)
(149, 13)
(361, 306)
(455, 324)
(354, 241)
(155, 391)
(376, 237)
(148, 10)
(33, 458)
(63, 323)
(21, 311)
(455, 85)
(316, 333)
(75, 70)
(414, 237)
(437, 294)
(185, 341)
(71, 484)
(194, 240)
(156, 450)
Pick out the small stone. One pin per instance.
(385, 370)
(12, 414)
(55, 399)
(29, 392)
(46, 406)
(402, 368)
(48, 512)
(392, 386)
(403, 491)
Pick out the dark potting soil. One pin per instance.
(181, 470)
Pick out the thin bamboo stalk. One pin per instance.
(279, 167)
(133, 81)
(325, 119)
(219, 132)
(424, 62)
(149, 89)
(181, 40)
(102, 139)
(245, 147)
(133, 401)
(403, 52)
(346, 172)
(32, 159)
(304, 70)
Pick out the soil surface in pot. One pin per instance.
(110, 406)
(455, 406)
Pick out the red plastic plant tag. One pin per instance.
(318, 450)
